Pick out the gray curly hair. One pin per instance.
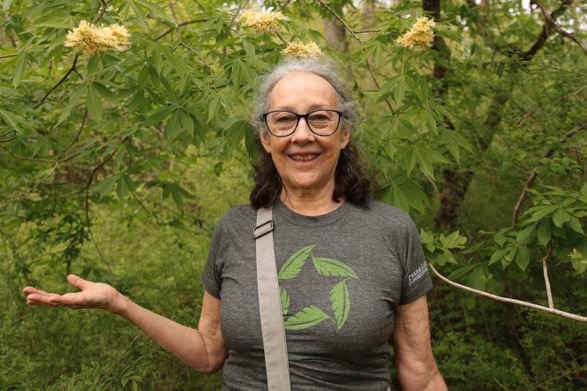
(322, 67)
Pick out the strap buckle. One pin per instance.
(263, 229)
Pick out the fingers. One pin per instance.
(78, 282)
(43, 299)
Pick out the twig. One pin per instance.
(368, 31)
(350, 30)
(87, 209)
(280, 37)
(553, 311)
(185, 45)
(560, 98)
(60, 159)
(337, 16)
(59, 82)
(31, 189)
(76, 138)
(102, 11)
(558, 29)
(546, 279)
(284, 5)
(163, 34)
(534, 173)
(8, 56)
(378, 86)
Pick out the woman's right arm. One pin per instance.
(203, 349)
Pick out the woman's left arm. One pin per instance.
(416, 368)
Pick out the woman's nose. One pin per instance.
(302, 132)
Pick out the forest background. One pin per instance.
(118, 159)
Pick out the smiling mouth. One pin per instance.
(305, 157)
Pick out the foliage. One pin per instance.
(116, 164)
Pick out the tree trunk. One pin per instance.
(334, 32)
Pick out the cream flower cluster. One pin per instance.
(295, 49)
(93, 39)
(420, 35)
(261, 21)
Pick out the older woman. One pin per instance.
(352, 274)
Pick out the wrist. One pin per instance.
(120, 304)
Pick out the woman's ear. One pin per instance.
(265, 140)
(345, 138)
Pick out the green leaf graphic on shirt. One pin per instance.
(341, 303)
(331, 267)
(284, 296)
(307, 317)
(291, 268)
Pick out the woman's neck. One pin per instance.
(310, 203)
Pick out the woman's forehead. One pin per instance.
(302, 86)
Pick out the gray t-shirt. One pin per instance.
(341, 276)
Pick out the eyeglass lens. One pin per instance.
(322, 122)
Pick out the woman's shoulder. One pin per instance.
(387, 214)
(238, 213)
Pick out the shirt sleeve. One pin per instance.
(416, 278)
(211, 277)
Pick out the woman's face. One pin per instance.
(306, 162)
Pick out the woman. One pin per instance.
(351, 270)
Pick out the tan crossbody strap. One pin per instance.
(270, 309)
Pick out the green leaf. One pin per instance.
(18, 70)
(105, 92)
(498, 255)
(560, 217)
(544, 233)
(12, 119)
(478, 278)
(186, 122)
(341, 303)
(173, 127)
(284, 297)
(454, 240)
(525, 235)
(332, 268)
(292, 267)
(575, 225)
(104, 188)
(308, 317)
(158, 115)
(578, 261)
(94, 103)
(523, 257)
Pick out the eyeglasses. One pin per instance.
(282, 123)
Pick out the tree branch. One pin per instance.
(534, 173)
(337, 16)
(546, 279)
(550, 21)
(163, 34)
(69, 72)
(553, 311)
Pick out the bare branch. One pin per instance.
(337, 16)
(102, 11)
(163, 34)
(69, 72)
(284, 5)
(534, 173)
(8, 56)
(185, 45)
(553, 311)
(557, 28)
(546, 279)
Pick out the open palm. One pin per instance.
(91, 295)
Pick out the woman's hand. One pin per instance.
(92, 295)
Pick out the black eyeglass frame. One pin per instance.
(304, 116)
